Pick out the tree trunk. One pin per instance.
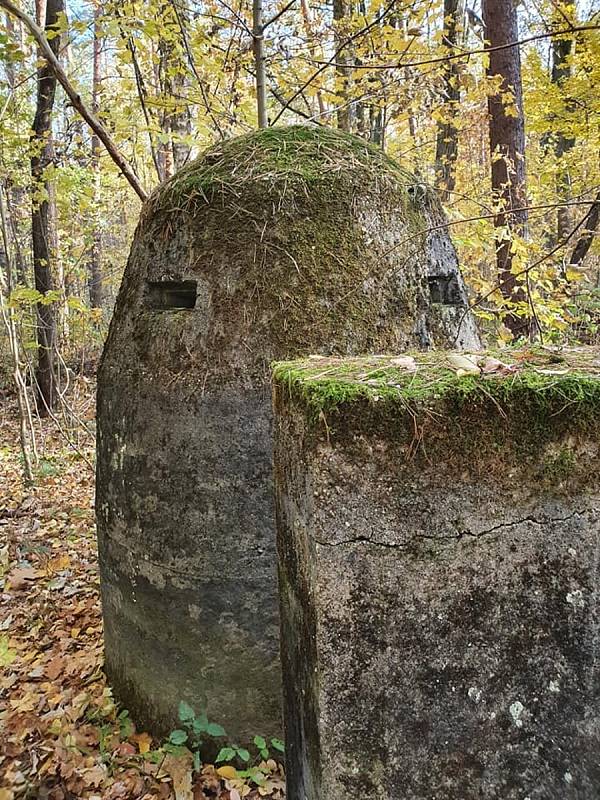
(172, 70)
(258, 48)
(562, 48)
(41, 147)
(26, 432)
(307, 19)
(95, 267)
(507, 145)
(341, 11)
(16, 199)
(446, 150)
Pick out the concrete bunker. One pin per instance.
(281, 243)
(438, 542)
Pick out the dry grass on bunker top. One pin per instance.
(277, 159)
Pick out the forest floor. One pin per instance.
(61, 734)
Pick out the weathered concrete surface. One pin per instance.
(279, 243)
(439, 572)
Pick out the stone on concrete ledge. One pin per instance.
(439, 547)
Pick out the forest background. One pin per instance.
(495, 103)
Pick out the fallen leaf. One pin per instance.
(463, 364)
(126, 749)
(55, 667)
(492, 365)
(59, 563)
(227, 772)
(553, 371)
(7, 654)
(180, 769)
(143, 741)
(18, 578)
(94, 776)
(404, 362)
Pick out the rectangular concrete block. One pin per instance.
(439, 555)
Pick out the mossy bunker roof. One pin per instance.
(283, 157)
(297, 240)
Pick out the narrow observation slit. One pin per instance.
(163, 295)
(445, 289)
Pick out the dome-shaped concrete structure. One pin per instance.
(276, 244)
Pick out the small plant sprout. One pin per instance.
(263, 747)
(197, 728)
(231, 752)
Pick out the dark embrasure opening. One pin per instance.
(445, 289)
(165, 295)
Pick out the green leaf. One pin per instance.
(278, 745)
(174, 749)
(7, 654)
(243, 754)
(126, 727)
(186, 712)
(200, 724)
(264, 753)
(259, 742)
(178, 737)
(255, 775)
(225, 754)
(213, 729)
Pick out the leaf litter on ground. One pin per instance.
(62, 735)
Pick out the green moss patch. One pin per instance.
(305, 239)
(543, 381)
(515, 415)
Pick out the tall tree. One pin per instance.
(258, 48)
(342, 10)
(171, 70)
(95, 266)
(446, 149)
(41, 158)
(16, 200)
(507, 144)
(562, 50)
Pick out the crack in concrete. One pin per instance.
(454, 537)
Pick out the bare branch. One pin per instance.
(75, 98)
(276, 16)
(465, 53)
(331, 61)
(590, 223)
